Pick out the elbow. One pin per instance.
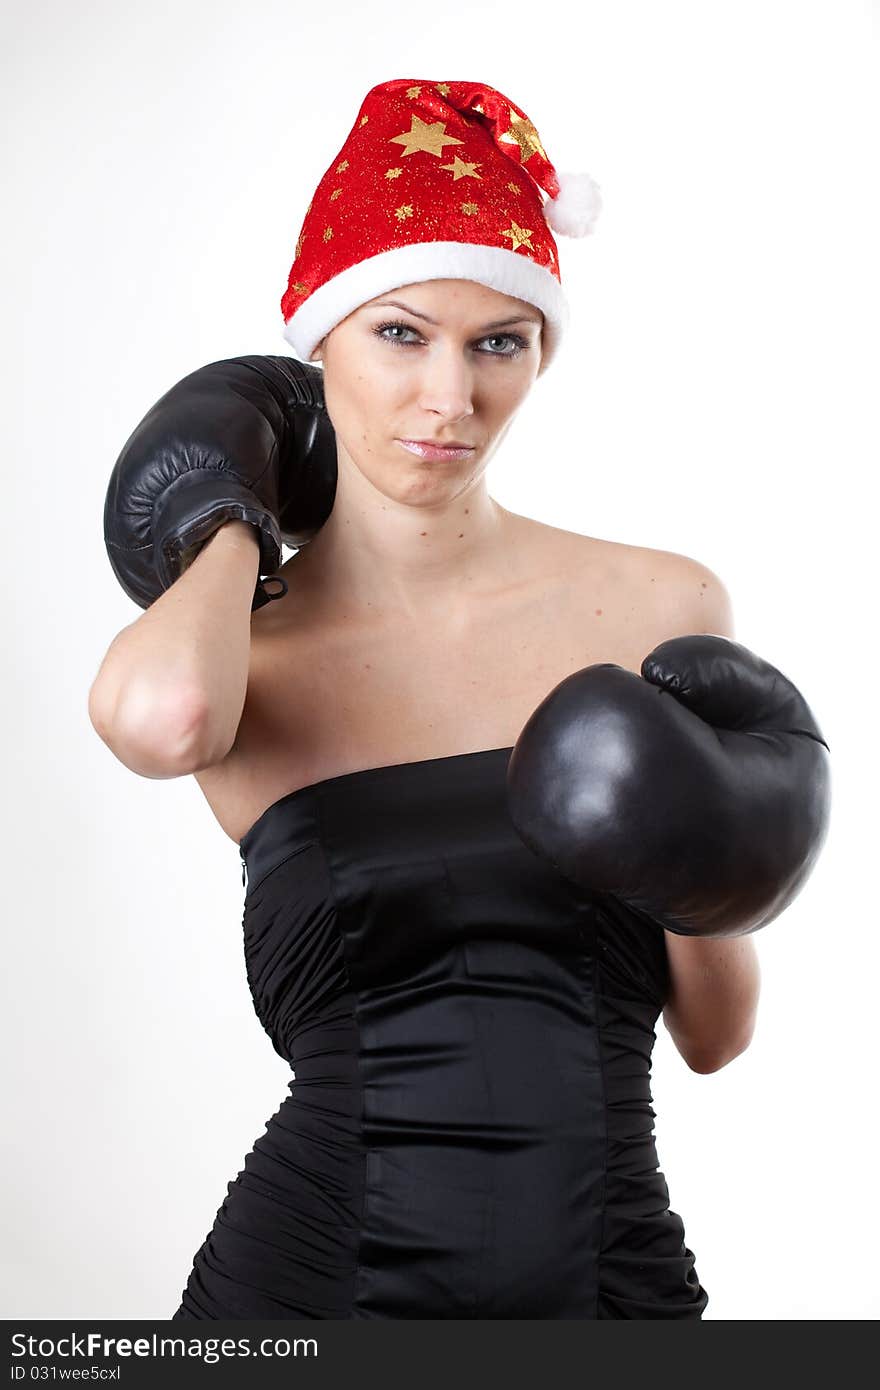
(704, 1063)
(705, 1066)
(153, 742)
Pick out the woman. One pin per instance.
(468, 1132)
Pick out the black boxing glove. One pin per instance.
(245, 438)
(697, 793)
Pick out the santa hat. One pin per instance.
(436, 181)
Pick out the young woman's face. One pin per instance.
(390, 375)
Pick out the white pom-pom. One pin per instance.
(574, 211)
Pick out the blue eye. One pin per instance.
(519, 343)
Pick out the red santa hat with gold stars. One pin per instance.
(436, 181)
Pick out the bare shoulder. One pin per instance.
(556, 549)
(692, 596)
(644, 563)
(677, 593)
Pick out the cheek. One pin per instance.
(357, 413)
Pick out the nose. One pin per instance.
(447, 386)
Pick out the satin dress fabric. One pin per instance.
(469, 1128)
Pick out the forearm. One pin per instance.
(189, 651)
(715, 984)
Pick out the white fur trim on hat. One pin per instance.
(508, 272)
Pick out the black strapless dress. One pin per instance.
(469, 1130)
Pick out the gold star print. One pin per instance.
(518, 235)
(523, 133)
(413, 92)
(298, 287)
(328, 233)
(461, 170)
(364, 120)
(335, 194)
(341, 168)
(514, 187)
(443, 88)
(470, 209)
(429, 138)
(393, 173)
(404, 212)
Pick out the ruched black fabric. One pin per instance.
(469, 1130)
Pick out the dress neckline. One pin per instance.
(245, 840)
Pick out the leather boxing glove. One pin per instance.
(697, 793)
(245, 438)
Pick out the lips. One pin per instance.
(435, 451)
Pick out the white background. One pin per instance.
(717, 396)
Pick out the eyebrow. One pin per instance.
(498, 323)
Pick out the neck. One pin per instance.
(378, 557)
